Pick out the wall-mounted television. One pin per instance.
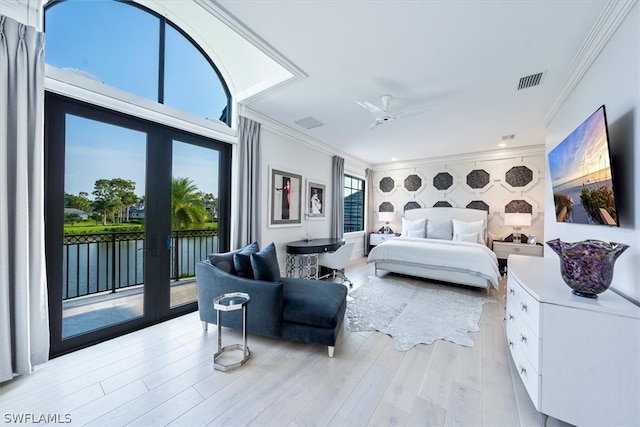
(581, 174)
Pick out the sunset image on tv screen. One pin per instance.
(581, 175)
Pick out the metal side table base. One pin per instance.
(231, 302)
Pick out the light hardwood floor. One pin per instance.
(163, 375)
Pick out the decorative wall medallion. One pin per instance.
(519, 176)
(387, 184)
(442, 204)
(412, 205)
(386, 207)
(412, 183)
(443, 181)
(478, 204)
(518, 206)
(478, 178)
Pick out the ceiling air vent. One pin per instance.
(530, 81)
(508, 137)
(309, 122)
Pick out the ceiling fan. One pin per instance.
(384, 115)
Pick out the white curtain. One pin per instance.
(248, 222)
(24, 318)
(368, 186)
(337, 211)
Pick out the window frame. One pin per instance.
(163, 21)
(363, 207)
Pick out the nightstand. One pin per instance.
(376, 238)
(504, 249)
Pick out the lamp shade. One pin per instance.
(517, 219)
(386, 216)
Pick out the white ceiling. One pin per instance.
(464, 58)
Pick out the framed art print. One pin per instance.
(315, 202)
(285, 198)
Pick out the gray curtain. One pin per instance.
(337, 211)
(368, 187)
(248, 223)
(24, 317)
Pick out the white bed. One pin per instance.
(461, 262)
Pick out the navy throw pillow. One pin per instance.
(265, 264)
(223, 261)
(242, 260)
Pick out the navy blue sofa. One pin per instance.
(293, 309)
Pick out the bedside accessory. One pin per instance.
(386, 217)
(532, 240)
(587, 266)
(517, 220)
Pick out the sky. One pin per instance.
(96, 150)
(118, 44)
(585, 151)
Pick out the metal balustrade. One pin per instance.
(106, 262)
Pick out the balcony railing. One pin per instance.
(101, 262)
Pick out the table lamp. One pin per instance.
(386, 217)
(517, 220)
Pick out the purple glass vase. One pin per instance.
(587, 266)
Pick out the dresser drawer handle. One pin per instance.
(510, 343)
(523, 338)
(516, 249)
(511, 291)
(523, 306)
(511, 316)
(523, 371)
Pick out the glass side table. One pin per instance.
(231, 302)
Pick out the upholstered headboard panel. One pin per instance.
(462, 214)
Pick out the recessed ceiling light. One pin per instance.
(502, 144)
(393, 159)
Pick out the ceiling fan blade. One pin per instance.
(415, 111)
(375, 124)
(368, 106)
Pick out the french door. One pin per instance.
(131, 206)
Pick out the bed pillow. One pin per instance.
(265, 264)
(467, 237)
(413, 228)
(439, 229)
(480, 227)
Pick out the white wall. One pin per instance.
(612, 80)
(282, 150)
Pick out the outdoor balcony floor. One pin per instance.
(84, 314)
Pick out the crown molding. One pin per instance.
(612, 16)
(501, 154)
(289, 132)
(226, 17)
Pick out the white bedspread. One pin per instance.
(470, 258)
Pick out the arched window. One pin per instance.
(128, 47)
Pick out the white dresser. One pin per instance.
(578, 358)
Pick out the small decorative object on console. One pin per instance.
(587, 266)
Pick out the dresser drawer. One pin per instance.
(528, 343)
(524, 304)
(530, 379)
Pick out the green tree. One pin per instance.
(210, 204)
(187, 206)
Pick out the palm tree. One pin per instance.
(187, 207)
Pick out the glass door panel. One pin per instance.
(194, 215)
(104, 227)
